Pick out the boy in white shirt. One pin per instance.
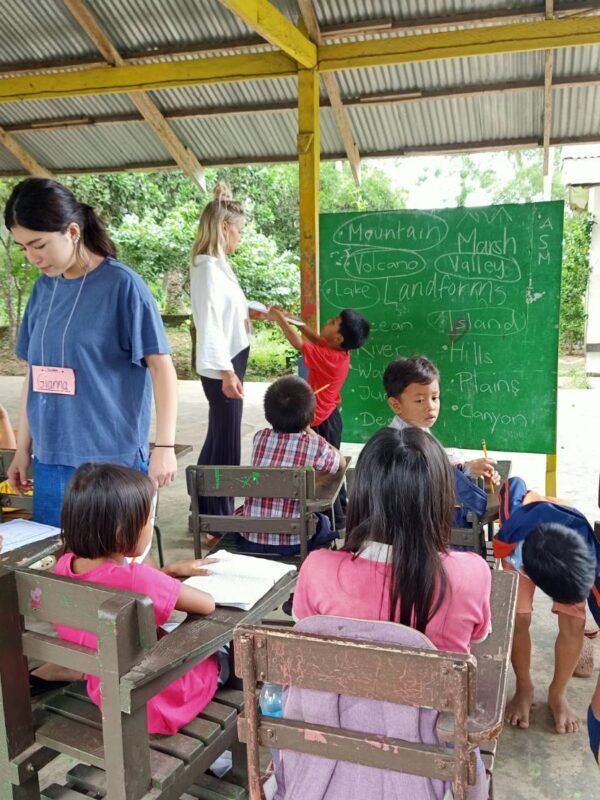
(412, 386)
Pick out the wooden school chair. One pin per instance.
(427, 679)
(469, 691)
(135, 765)
(242, 482)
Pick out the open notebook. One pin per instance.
(239, 580)
(19, 532)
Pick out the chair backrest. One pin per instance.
(125, 626)
(422, 678)
(297, 483)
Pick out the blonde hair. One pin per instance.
(210, 239)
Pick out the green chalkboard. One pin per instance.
(477, 291)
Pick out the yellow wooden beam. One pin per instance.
(551, 490)
(144, 77)
(308, 164)
(182, 155)
(340, 113)
(272, 25)
(23, 156)
(524, 36)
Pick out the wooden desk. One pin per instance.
(493, 665)
(327, 488)
(30, 553)
(199, 637)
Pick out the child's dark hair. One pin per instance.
(41, 204)
(404, 371)
(289, 404)
(403, 496)
(559, 561)
(354, 329)
(104, 510)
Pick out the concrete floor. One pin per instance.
(530, 764)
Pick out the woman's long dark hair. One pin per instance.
(44, 205)
(403, 496)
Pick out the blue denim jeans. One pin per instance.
(49, 484)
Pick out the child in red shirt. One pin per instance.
(327, 358)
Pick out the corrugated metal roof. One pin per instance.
(116, 146)
(226, 139)
(45, 33)
(36, 33)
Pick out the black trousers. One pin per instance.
(331, 430)
(223, 443)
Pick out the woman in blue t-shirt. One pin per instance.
(95, 347)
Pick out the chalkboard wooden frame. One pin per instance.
(477, 290)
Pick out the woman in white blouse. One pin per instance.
(221, 317)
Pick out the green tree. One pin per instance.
(575, 275)
(16, 275)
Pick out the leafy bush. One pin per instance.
(270, 354)
(575, 276)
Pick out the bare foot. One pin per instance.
(565, 719)
(519, 708)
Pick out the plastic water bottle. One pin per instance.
(270, 700)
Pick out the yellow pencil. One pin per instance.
(485, 455)
(322, 388)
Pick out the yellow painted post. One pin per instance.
(551, 475)
(308, 164)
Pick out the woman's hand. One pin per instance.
(189, 567)
(17, 472)
(232, 386)
(163, 466)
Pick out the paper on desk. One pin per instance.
(256, 305)
(19, 532)
(238, 580)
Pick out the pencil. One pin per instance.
(322, 388)
(485, 455)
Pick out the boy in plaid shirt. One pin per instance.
(289, 407)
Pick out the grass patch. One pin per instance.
(270, 354)
(571, 373)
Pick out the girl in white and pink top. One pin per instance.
(395, 564)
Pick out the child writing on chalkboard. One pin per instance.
(289, 407)
(106, 522)
(412, 386)
(327, 358)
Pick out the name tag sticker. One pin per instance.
(53, 380)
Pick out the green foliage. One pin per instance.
(270, 354)
(526, 185)
(159, 249)
(575, 276)
(115, 195)
(265, 273)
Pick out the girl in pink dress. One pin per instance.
(107, 523)
(395, 563)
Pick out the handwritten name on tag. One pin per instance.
(53, 380)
